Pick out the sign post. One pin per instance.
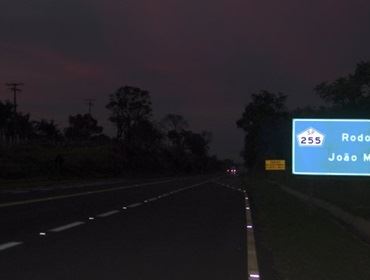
(331, 147)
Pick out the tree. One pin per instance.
(6, 118)
(266, 123)
(14, 127)
(82, 128)
(129, 106)
(144, 150)
(196, 144)
(45, 130)
(348, 95)
(175, 125)
(174, 122)
(23, 126)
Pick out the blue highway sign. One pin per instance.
(331, 147)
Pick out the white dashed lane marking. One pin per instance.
(106, 214)
(9, 245)
(65, 227)
(134, 205)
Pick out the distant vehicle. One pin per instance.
(232, 171)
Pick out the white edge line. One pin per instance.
(134, 205)
(9, 245)
(253, 272)
(106, 214)
(65, 227)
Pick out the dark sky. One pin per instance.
(202, 59)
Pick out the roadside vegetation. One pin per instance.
(297, 241)
(352, 194)
(267, 121)
(142, 145)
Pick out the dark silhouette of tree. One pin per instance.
(23, 127)
(6, 119)
(197, 146)
(46, 131)
(196, 143)
(175, 130)
(173, 122)
(266, 123)
(14, 127)
(146, 147)
(142, 145)
(186, 150)
(82, 128)
(129, 106)
(175, 127)
(131, 111)
(348, 96)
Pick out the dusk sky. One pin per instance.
(201, 59)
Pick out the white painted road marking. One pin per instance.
(134, 205)
(75, 224)
(253, 270)
(9, 245)
(65, 227)
(8, 204)
(106, 214)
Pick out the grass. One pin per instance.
(295, 241)
(350, 193)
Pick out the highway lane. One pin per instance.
(194, 233)
(9, 194)
(36, 214)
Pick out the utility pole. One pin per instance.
(90, 103)
(14, 87)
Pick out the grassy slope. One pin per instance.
(295, 241)
(351, 194)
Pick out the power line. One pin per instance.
(14, 87)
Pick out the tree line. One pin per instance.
(266, 120)
(141, 144)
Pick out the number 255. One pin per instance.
(310, 140)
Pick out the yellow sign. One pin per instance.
(274, 164)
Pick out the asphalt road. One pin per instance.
(188, 228)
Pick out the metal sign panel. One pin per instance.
(331, 147)
(274, 164)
